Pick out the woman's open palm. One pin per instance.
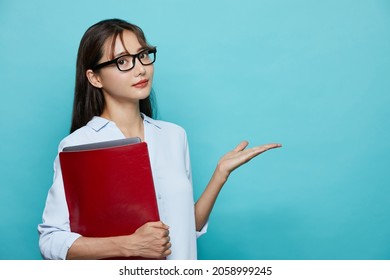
(240, 156)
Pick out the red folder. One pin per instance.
(109, 191)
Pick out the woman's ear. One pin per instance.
(93, 78)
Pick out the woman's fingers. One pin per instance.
(241, 146)
(267, 147)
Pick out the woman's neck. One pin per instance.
(128, 120)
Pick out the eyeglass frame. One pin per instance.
(134, 56)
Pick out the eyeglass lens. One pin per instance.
(127, 62)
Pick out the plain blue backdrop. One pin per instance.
(312, 75)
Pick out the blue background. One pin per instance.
(312, 75)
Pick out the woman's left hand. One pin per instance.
(226, 165)
(240, 156)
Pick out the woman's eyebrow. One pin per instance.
(126, 52)
(121, 53)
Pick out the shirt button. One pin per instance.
(159, 196)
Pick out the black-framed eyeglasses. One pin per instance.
(127, 62)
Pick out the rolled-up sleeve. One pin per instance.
(55, 237)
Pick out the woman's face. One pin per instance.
(125, 86)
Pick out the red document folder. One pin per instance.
(109, 191)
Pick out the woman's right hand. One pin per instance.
(150, 241)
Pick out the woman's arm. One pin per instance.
(225, 166)
(149, 241)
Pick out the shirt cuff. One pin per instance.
(67, 244)
(203, 230)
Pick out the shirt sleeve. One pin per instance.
(55, 237)
(189, 174)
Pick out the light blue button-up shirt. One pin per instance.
(170, 161)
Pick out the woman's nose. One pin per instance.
(139, 69)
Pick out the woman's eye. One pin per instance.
(123, 61)
(144, 55)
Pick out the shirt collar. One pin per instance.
(97, 123)
(150, 120)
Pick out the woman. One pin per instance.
(112, 101)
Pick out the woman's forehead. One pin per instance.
(125, 42)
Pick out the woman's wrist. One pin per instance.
(124, 245)
(220, 174)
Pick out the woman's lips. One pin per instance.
(141, 84)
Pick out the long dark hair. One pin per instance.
(89, 100)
